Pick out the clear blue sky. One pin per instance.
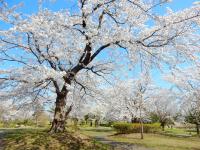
(30, 6)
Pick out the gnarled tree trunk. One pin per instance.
(60, 115)
(58, 123)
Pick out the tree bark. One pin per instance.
(163, 126)
(197, 127)
(58, 123)
(141, 125)
(142, 130)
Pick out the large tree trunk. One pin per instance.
(58, 123)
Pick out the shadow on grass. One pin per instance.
(25, 139)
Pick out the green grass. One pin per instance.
(179, 131)
(154, 141)
(39, 139)
(99, 131)
(160, 142)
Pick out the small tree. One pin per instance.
(161, 106)
(38, 112)
(41, 118)
(193, 117)
(97, 119)
(162, 119)
(2, 113)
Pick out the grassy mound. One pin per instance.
(34, 139)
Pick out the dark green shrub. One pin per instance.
(107, 124)
(124, 128)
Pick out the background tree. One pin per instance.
(193, 117)
(39, 115)
(2, 113)
(161, 106)
(187, 82)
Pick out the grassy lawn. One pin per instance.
(179, 131)
(160, 142)
(99, 131)
(154, 141)
(39, 139)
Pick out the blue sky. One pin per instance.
(30, 6)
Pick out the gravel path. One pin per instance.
(119, 145)
(1, 140)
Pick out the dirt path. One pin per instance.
(1, 139)
(119, 145)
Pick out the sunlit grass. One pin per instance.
(160, 142)
(180, 131)
(155, 141)
(39, 139)
(99, 131)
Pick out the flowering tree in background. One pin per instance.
(45, 53)
(134, 101)
(2, 113)
(188, 81)
(161, 106)
(128, 100)
(193, 116)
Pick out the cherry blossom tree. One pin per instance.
(162, 105)
(187, 81)
(123, 96)
(46, 53)
(192, 116)
(135, 103)
(128, 99)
